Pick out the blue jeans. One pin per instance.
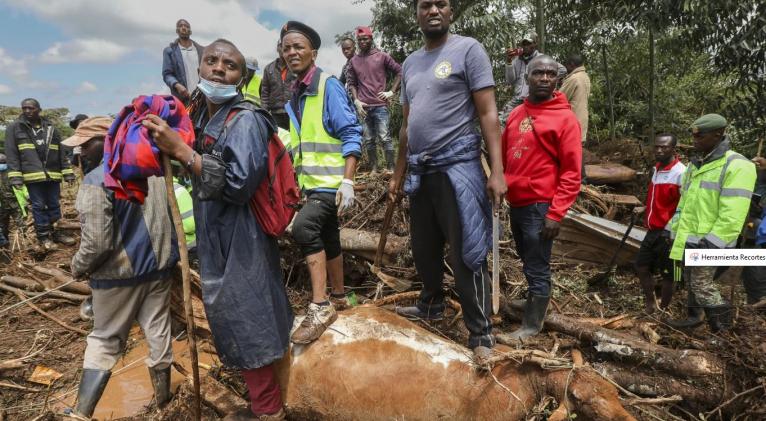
(526, 224)
(376, 129)
(44, 198)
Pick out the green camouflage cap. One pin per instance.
(707, 123)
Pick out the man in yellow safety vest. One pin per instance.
(325, 143)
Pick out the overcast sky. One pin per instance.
(94, 56)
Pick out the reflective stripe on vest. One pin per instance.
(698, 218)
(317, 156)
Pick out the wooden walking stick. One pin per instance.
(395, 283)
(189, 312)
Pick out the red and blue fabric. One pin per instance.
(130, 154)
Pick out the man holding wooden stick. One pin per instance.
(127, 251)
(245, 299)
(449, 193)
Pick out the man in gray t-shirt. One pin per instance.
(447, 88)
(438, 87)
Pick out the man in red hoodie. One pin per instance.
(541, 156)
(661, 202)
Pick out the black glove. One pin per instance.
(17, 182)
(69, 178)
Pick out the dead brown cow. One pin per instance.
(372, 364)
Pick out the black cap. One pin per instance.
(302, 28)
(76, 120)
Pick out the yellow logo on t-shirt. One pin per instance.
(443, 70)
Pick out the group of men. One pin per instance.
(127, 250)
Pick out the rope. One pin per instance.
(42, 294)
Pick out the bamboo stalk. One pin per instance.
(189, 312)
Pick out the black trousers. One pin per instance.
(316, 226)
(434, 221)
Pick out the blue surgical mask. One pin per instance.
(217, 93)
(3, 167)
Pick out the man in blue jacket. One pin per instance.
(127, 252)
(325, 142)
(180, 63)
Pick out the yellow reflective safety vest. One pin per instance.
(715, 200)
(317, 156)
(185, 206)
(252, 91)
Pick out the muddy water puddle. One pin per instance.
(129, 390)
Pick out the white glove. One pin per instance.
(344, 198)
(385, 96)
(360, 108)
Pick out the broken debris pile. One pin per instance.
(596, 347)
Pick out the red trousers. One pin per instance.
(262, 385)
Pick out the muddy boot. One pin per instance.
(414, 313)
(44, 238)
(390, 160)
(534, 314)
(161, 385)
(92, 385)
(314, 324)
(372, 156)
(694, 313)
(718, 318)
(58, 236)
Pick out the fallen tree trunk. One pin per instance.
(609, 173)
(685, 363)
(34, 286)
(373, 362)
(365, 244)
(697, 396)
(62, 278)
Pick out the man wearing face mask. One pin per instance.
(127, 252)
(242, 287)
(325, 142)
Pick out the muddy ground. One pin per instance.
(24, 332)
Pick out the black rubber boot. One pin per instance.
(694, 315)
(534, 314)
(414, 313)
(92, 386)
(390, 160)
(44, 237)
(161, 384)
(718, 318)
(372, 156)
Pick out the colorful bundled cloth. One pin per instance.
(130, 154)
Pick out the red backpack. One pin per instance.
(275, 202)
